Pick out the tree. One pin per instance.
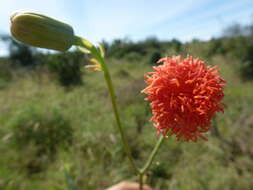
(20, 54)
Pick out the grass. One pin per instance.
(95, 157)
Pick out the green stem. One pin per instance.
(86, 44)
(94, 51)
(152, 155)
(141, 181)
(79, 41)
(116, 114)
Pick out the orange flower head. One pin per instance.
(185, 94)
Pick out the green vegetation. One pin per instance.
(67, 68)
(48, 133)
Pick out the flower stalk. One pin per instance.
(152, 155)
(141, 172)
(141, 175)
(45, 32)
(94, 51)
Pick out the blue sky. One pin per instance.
(137, 19)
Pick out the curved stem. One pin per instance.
(94, 51)
(152, 155)
(116, 114)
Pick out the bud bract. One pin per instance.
(41, 31)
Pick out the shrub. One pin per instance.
(46, 129)
(155, 56)
(20, 54)
(5, 75)
(38, 134)
(67, 68)
(246, 70)
(133, 57)
(247, 65)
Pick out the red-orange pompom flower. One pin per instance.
(184, 94)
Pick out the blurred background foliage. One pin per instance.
(56, 115)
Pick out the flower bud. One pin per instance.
(41, 31)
